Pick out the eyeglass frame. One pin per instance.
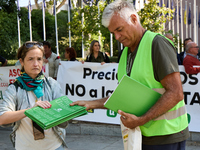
(38, 44)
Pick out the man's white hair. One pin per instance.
(124, 8)
(188, 46)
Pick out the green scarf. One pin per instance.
(29, 84)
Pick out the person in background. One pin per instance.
(148, 58)
(169, 36)
(95, 54)
(70, 54)
(52, 59)
(3, 61)
(182, 55)
(191, 58)
(31, 89)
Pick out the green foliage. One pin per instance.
(152, 16)
(90, 27)
(8, 6)
(11, 62)
(9, 30)
(8, 34)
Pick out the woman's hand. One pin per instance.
(43, 104)
(82, 61)
(102, 63)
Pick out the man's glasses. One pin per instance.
(29, 45)
(195, 47)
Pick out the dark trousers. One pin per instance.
(174, 146)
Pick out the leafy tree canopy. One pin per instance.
(8, 6)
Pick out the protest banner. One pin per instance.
(191, 90)
(7, 76)
(90, 81)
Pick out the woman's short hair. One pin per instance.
(92, 44)
(71, 51)
(122, 7)
(26, 47)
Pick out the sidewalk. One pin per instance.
(74, 142)
(85, 141)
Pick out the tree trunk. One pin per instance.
(61, 4)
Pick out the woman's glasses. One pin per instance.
(29, 45)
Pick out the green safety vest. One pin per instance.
(173, 121)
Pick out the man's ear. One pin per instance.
(133, 18)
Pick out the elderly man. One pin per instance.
(169, 36)
(182, 55)
(148, 58)
(191, 59)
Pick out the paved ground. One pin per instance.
(86, 142)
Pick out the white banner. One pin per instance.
(91, 81)
(191, 89)
(7, 76)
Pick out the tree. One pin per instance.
(152, 16)
(51, 2)
(90, 28)
(8, 34)
(8, 6)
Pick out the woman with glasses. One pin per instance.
(31, 89)
(95, 54)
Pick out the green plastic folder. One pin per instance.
(59, 112)
(132, 97)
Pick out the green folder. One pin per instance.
(59, 112)
(132, 97)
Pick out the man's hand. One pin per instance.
(95, 104)
(45, 60)
(130, 121)
(86, 104)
